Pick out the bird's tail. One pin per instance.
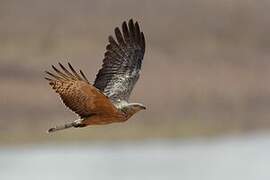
(62, 127)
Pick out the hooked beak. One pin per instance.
(143, 107)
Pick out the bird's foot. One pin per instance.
(78, 123)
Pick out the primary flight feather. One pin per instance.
(106, 101)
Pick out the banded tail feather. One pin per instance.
(75, 124)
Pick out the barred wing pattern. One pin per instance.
(77, 93)
(122, 62)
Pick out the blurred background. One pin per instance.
(204, 81)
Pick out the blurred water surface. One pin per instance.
(241, 158)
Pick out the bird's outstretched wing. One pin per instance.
(122, 62)
(77, 93)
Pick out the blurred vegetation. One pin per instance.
(205, 72)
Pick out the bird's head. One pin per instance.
(137, 106)
(132, 108)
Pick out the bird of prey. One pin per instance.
(105, 101)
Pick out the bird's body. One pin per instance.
(106, 101)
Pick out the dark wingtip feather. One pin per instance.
(47, 72)
(71, 68)
(125, 31)
(131, 29)
(53, 75)
(111, 40)
(54, 68)
(74, 72)
(108, 47)
(130, 21)
(84, 76)
(142, 41)
(48, 79)
(137, 32)
(137, 26)
(119, 36)
(113, 43)
(66, 71)
(61, 65)
(124, 23)
(69, 64)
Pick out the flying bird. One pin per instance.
(105, 101)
